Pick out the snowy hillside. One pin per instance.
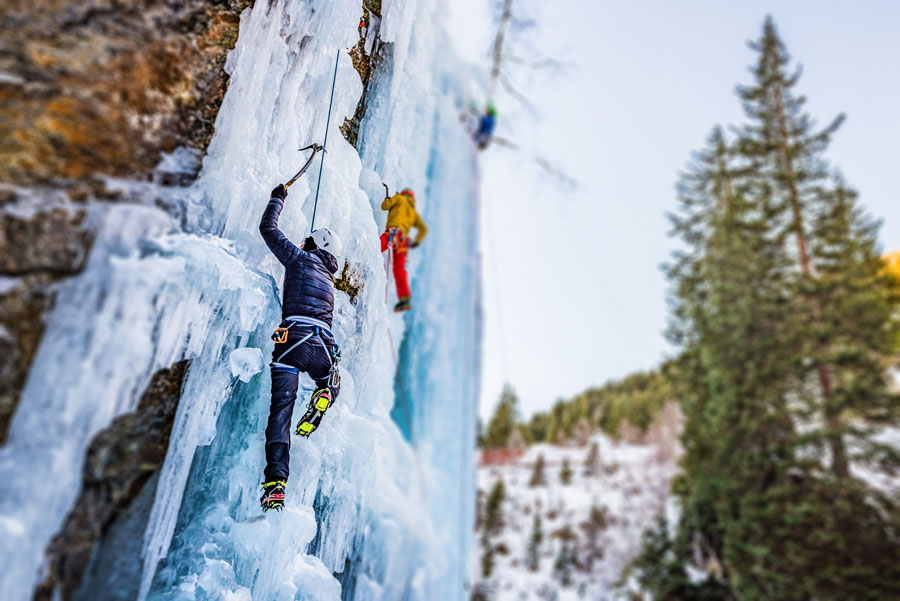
(378, 507)
(552, 540)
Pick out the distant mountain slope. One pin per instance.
(589, 528)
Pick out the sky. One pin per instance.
(574, 294)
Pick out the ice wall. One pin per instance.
(370, 514)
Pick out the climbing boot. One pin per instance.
(318, 404)
(273, 495)
(403, 305)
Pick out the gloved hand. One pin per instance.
(279, 192)
(413, 243)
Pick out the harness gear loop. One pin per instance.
(293, 346)
(317, 329)
(396, 239)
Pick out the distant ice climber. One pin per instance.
(486, 126)
(402, 217)
(303, 341)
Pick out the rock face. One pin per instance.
(22, 303)
(50, 241)
(119, 463)
(102, 87)
(367, 54)
(38, 246)
(89, 89)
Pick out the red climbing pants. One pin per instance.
(397, 241)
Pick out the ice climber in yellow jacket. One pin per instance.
(402, 217)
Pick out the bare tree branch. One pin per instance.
(505, 143)
(505, 16)
(543, 163)
(507, 85)
(556, 172)
(544, 63)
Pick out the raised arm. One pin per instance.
(389, 203)
(283, 249)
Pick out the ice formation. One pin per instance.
(246, 362)
(379, 500)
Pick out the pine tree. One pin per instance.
(593, 527)
(785, 155)
(786, 327)
(660, 570)
(479, 509)
(592, 462)
(731, 313)
(533, 558)
(555, 431)
(537, 474)
(503, 421)
(493, 512)
(564, 565)
(565, 472)
(835, 243)
(492, 524)
(487, 555)
(857, 329)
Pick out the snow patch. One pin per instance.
(630, 486)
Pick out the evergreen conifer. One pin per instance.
(537, 474)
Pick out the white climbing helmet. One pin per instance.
(326, 240)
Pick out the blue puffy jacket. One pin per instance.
(486, 125)
(308, 276)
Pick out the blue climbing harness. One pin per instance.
(317, 328)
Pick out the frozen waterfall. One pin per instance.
(380, 501)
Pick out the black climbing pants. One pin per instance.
(309, 357)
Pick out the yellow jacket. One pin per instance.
(402, 214)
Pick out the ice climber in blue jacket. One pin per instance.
(303, 341)
(486, 125)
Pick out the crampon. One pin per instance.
(273, 495)
(318, 404)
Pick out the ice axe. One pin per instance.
(387, 193)
(315, 148)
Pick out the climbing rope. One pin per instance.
(312, 223)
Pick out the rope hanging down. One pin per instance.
(312, 223)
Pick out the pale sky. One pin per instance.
(573, 291)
